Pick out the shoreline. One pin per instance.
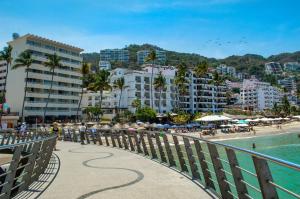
(261, 131)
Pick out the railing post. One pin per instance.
(137, 142)
(9, 179)
(99, 137)
(236, 174)
(264, 176)
(130, 141)
(93, 137)
(118, 139)
(190, 156)
(160, 148)
(3, 138)
(14, 139)
(179, 154)
(220, 174)
(75, 138)
(151, 145)
(124, 140)
(113, 139)
(106, 139)
(87, 137)
(168, 150)
(203, 164)
(29, 169)
(144, 144)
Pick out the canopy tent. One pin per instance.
(213, 118)
(241, 125)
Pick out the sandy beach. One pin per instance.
(290, 127)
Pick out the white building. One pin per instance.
(67, 83)
(161, 56)
(2, 75)
(138, 87)
(273, 68)
(289, 83)
(104, 65)
(292, 66)
(226, 70)
(258, 96)
(202, 95)
(110, 55)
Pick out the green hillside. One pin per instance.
(249, 63)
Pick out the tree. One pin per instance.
(160, 84)
(216, 81)
(93, 112)
(120, 85)
(84, 70)
(180, 80)
(276, 109)
(24, 60)
(52, 63)
(136, 103)
(100, 83)
(286, 107)
(151, 57)
(200, 70)
(7, 57)
(145, 114)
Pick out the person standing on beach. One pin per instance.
(82, 129)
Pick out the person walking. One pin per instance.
(55, 130)
(82, 130)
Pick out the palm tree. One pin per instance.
(24, 60)
(160, 84)
(181, 80)
(120, 85)
(6, 56)
(52, 63)
(84, 70)
(151, 57)
(100, 83)
(136, 103)
(216, 81)
(200, 70)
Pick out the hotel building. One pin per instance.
(143, 54)
(203, 96)
(273, 68)
(138, 87)
(67, 83)
(258, 96)
(111, 55)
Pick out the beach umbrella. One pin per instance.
(134, 125)
(213, 118)
(241, 125)
(173, 114)
(106, 127)
(159, 126)
(167, 126)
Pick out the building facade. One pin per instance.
(104, 65)
(114, 55)
(258, 96)
(226, 70)
(143, 54)
(203, 96)
(67, 83)
(292, 66)
(289, 84)
(273, 68)
(3, 68)
(137, 86)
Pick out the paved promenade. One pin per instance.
(92, 171)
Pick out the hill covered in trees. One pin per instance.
(249, 63)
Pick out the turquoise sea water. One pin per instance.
(284, 146)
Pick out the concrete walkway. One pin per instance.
(92, 171)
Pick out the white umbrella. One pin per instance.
(213, 118)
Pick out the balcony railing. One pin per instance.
(227, 171)
(27, 157)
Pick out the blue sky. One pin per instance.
(213, 28)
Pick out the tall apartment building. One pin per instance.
(202, 95)
(292, 66)
(161, 56)
(112, 55)
(226, 70)
(273, 68)
(67, 83)
(289, 83)
(2, 74)
(138, 87)
(258, 96)
(104, 65)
